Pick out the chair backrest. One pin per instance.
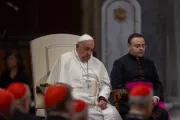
(44, 52)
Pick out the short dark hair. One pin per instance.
(133, 36)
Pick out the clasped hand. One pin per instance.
(102, 104)
(154, 101)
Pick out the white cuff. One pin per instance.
(157, 98)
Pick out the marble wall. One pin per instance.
(176, 17)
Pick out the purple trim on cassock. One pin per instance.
(161, 104)
(130, 85)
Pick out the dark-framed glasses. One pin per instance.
(140, 46)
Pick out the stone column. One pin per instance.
(91, 22)
(96, 28)
(86, 4)
(171, 55)
(177, 42)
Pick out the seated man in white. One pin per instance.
(88, 78)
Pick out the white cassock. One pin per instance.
(89, 81)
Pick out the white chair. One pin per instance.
(44, 52)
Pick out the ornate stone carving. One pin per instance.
(120, 15)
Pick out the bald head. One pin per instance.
(85, 47)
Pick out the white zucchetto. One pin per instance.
(85, 37)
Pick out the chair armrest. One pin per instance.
(39, 95)
(45, 85)
(41, 88)
(118, 95)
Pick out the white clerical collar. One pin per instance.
(77, 56)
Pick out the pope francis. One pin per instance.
(88, 78)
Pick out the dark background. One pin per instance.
(33, 19)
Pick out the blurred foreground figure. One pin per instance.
(88, 78)
(140, 101)
(6, 105)
(81, 110)
(22, 96)
(59, 103)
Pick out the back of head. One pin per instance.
(58, 99)
(6, 104)
(140, 97)
(22, 95)
(140, 94)
(81, 110)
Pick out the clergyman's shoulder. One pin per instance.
(121, 59)
(148, 60)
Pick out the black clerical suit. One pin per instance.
(18, 115)
(129, 70)
(6, 80)
(131, 116)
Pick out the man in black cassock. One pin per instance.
(132, 69)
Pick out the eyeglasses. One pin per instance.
(139, 46)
